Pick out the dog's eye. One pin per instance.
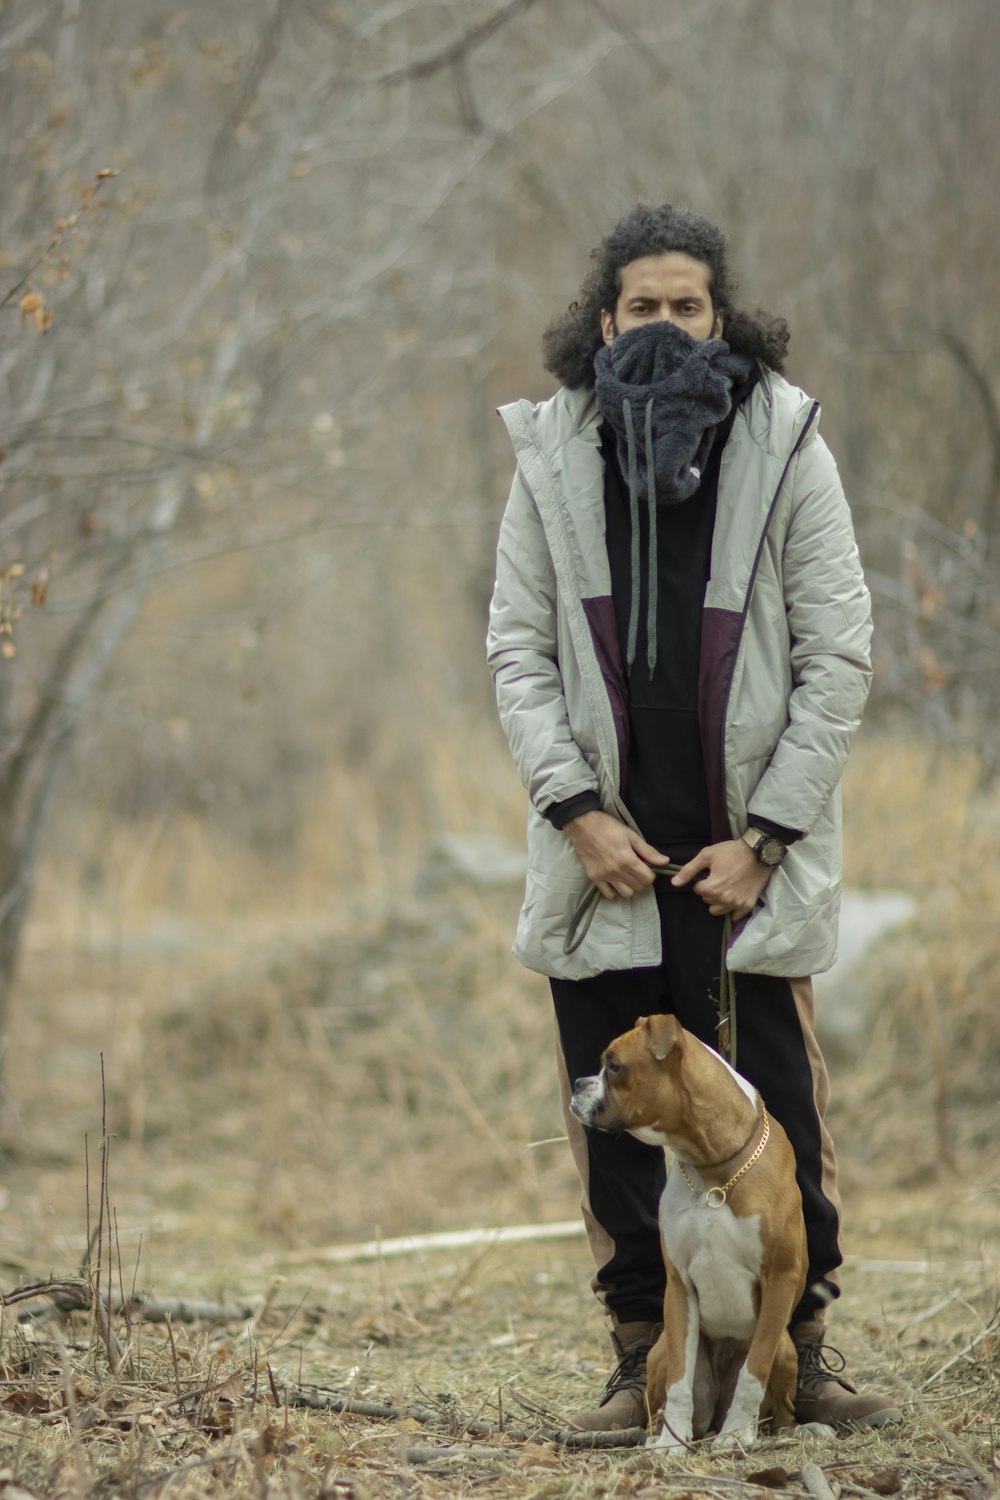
(613, 1068)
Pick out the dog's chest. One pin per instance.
(718, 1254)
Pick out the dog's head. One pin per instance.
(636, 1084)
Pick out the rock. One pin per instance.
(844, 1000)
(472, 859)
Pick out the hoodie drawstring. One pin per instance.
(633, 506)
(652, 569)
(633, 509)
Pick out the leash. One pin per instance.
(726, 1030)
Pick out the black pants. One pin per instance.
(776, 1052)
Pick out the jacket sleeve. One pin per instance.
(829, 618)
(523, 658)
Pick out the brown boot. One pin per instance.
(822, 1395)
(624, 1401)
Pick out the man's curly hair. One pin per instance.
(572, 339)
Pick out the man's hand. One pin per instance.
(732, 878)
(614, 856)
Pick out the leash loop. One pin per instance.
(584, 914)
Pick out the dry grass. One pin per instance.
(928, 1088)
(282, 1076)
(461, 1348)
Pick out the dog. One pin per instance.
(731, 1226)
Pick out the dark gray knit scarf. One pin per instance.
(675, 390)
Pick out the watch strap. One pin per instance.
(756, 838)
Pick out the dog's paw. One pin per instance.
(737, 1437)
(666, 1442)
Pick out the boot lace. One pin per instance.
(630, 1373)
(821, 1362)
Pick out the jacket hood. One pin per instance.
(775, 414)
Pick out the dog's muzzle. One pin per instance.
(590, 1103)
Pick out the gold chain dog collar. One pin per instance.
(715, 1197)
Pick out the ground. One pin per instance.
(271, 1085)
(500, 1337)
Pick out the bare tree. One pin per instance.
(335, 237)
(155, 375)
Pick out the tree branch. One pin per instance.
(433, 59)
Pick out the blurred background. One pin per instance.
(266, 269)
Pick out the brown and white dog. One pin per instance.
(733, 1237)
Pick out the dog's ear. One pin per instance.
(662, 1033)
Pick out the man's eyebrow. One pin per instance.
(642, 294)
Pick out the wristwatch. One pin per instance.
(769, 850)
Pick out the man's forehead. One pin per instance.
(674, 272)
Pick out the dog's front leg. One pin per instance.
(778, 1294)
(673, 1362)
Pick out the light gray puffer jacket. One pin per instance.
(785, 672)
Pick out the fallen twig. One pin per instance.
(187, 1310)
(73, 1293)
(816, 1482)
(621, 1437)
(413, 1244)
(453, 1453)
(318, 1399)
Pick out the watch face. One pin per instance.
(770, 851)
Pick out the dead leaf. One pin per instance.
(27, 1402)
(774, 1479)
(29, 304)
(232, 1389)
(539, 1456)
(885, 1482)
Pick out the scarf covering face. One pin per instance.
(657, 381)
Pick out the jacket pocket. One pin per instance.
(550, 901)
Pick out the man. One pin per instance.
(679, 637)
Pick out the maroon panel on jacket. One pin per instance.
(720, 639)
(600, 614)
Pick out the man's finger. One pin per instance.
(694, 867)
(647, 852)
